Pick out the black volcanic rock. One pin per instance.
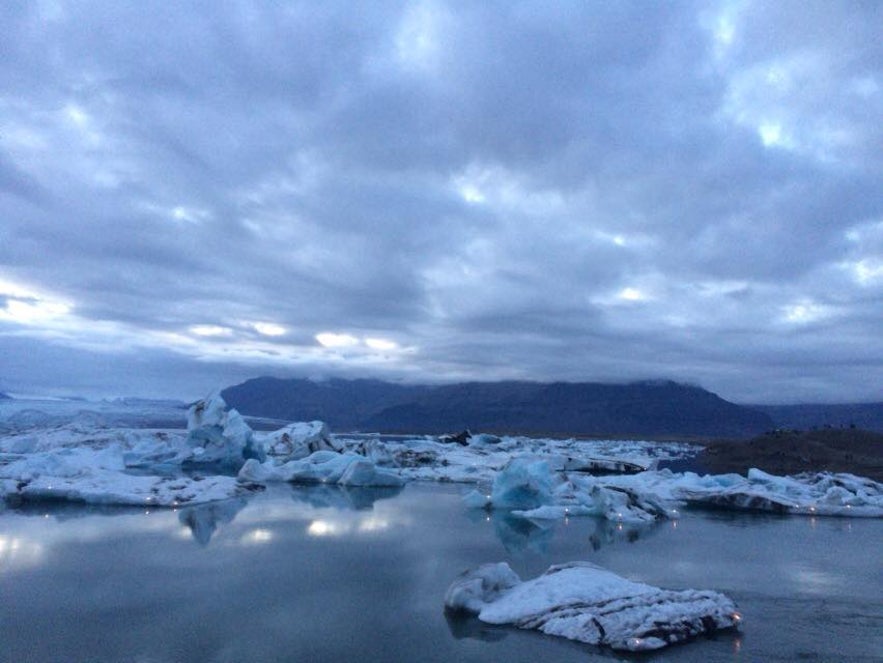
(642, 408)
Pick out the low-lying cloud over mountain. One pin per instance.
(193, 193)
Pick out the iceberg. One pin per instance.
(298, 440)
(523, 483)
(528, 487)
(583, 602)
(346, 469)
(819, 494)
(99, 476)
(100, 486)
(218, 436)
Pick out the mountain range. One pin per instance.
(652, 408)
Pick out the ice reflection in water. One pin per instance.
(203, 520)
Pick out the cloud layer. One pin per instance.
(191, 193)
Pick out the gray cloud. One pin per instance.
(190, 194)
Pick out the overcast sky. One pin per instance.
(192, 194)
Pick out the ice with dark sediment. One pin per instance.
(819, 494)
(298, 440)
(583, 602)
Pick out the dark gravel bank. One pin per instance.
(780, 452)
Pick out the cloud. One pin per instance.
(467, 191)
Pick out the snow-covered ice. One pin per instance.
(298, 440)
(220, 436)
(99, 477)
(346, 469)
(820, 494)
(583, 602)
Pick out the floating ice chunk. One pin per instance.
(108, 487)
(523, 484)
(218, 436)
(346, 469)
(475, 589)
(298, 440)
(583, 602)
(529, 488)
(820, 494)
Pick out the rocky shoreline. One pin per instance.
(784, 452)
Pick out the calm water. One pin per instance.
(316, 574)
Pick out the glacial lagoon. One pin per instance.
(328, 573)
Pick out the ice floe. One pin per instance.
(345, 469)
(530, 489)
(820, 494)
(99, 477)
(583, 602)
(482, 456)
(298, 440)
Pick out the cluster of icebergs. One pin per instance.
(219, 457)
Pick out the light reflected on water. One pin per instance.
(19, 553)
(347, 525)
(257, 536)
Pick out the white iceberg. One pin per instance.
(218, 436)
(426, 459)
(820, 494)
(346, 469)
(99, 476)
(298, 440)
(583, 602)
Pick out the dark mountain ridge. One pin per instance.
(807, 416)
(571, 408)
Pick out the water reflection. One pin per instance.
(465, 626)
(279, 577)
(257, 536)
(341, 524)
(203, 519)
(343, 497)
(522, 534)
(608, 532)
